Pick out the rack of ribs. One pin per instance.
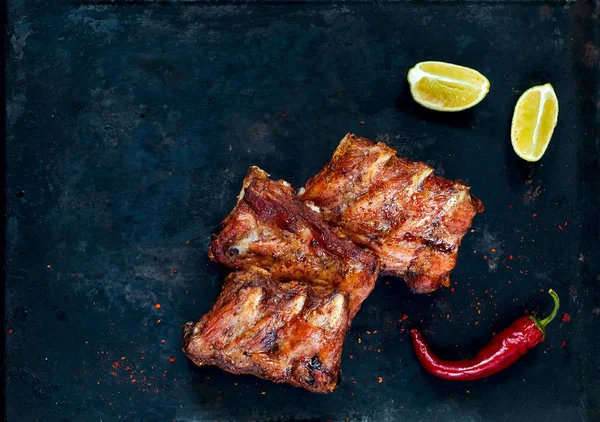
(412, 219)
(271, 229)
(281, 331)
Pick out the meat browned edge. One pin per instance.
(412, 219)
(281, 331)
(271, 229)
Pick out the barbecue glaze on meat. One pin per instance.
(281, 331)
(271, 229)
(412, 219)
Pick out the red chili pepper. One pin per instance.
(504, 349)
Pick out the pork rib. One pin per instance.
(412, 219)
(271, 229)
(281, 331)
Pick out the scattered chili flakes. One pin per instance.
(362, 123)
(510, 257)
(283, 115)
(380, 380)
(48, 266)
(262, 393)
(351, 356)
(534, 214)
(162, 341)
(157, 306)
(566, 317)
(175, 270)
(133, 381)
(375, 332)
(560, 227)
(158, 321)
(484, 256)
(187, 242)
(122, 357)
(493, 250)
(10, 331)
(368, 332)
(404, 317)
(116, 364)
(359, 340)
(172, 359)
(451, 289)
(563, 344)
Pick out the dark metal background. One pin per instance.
(130, 127)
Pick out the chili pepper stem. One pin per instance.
(541, 324)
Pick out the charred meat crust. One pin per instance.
(412, 219)
(271, 229)
(281, 331)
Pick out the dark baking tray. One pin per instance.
(130, 126)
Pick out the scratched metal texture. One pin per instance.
(130, 125)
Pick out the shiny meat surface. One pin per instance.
(412, 219)
(271, 229)
(281, 331)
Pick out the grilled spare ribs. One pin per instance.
(281, 331)
(412, 219)
(271, 229)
